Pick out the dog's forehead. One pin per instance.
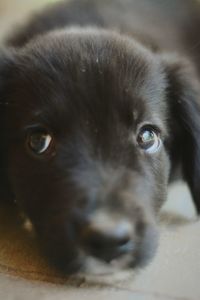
(89, 74)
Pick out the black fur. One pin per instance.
(91, 73)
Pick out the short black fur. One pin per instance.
(92, 75)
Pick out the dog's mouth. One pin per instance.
(89, 265)
(100, 257)
(81, 261)
(97, 264)
(136, 258)
(98, 267)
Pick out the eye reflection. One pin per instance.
(149, 139)
(39, 142)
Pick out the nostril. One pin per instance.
(99, 241)
(123, 241)
(95, 241)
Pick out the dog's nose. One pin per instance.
(108, 243)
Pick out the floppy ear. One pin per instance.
(183, 95)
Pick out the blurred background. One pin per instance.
(14, 12)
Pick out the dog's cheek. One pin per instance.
(147, 246)
(31, 179)
(161, 170)
(156, 189)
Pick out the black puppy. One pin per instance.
(97, 113)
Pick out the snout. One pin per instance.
(107, 238)
(111, 238)
(112, 222)
(119, 241)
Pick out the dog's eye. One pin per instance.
(149, 139)
(39, 142)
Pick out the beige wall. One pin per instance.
(13, 12)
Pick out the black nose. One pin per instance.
(106, 243)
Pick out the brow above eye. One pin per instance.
(33, 127)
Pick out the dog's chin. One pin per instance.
(92, 267)
(78, 261)
(141, 257)
(88, 266)
(95, 266)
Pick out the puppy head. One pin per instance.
(85, 118)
